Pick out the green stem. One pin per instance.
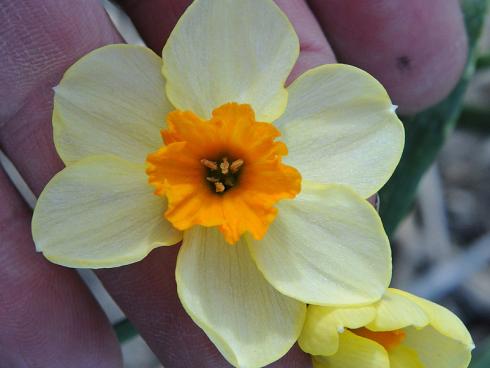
(125, 330)
(483, 61)
(475, 118)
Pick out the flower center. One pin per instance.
(388, 339)
(221, 174)
(225, 172)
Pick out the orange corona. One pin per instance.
(226, 171)
(388, 339)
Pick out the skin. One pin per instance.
(401, 37)
(48, 316)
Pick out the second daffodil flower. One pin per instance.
(399, 331)
(267, 225)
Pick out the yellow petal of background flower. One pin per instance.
(326, 247)
(404, 357)
(111, 101)
(394, 312)
(442, 319)
(355, 352)
(250, 322)
(230, 51)
(436, 350)
(320, 335)
(340, 127)
(100, 212)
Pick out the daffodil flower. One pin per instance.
(264, 184)
(399, 331)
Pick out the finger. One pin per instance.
(295, 358)
(37, 47)
(417, 49)
(314, 47)
(374, 200)
(48, 317)
(154, 19)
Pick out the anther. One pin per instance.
(235, 165)
(219, 187)
(209, 164)
(224, 166)
(222, 174)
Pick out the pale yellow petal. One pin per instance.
(111, 101)
(250, 322)
(326, 247)
(404, 357)
(436, 350)
(355, 352)
(230, 51)
(442, 319)
(100, 212)
(395, 311)
(340, 127)
(320, 335)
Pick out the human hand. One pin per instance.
(48, 316)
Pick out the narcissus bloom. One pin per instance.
(264, 184)
(399, 331)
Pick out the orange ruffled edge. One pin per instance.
(176, 171)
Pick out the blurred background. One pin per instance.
(436, 207)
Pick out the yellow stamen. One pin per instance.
(224, 166)
(235, 165)
(209, 164)
(219, 187)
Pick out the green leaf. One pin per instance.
(481, 356)
(427, 131)
(483, 61)
(475, 118)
